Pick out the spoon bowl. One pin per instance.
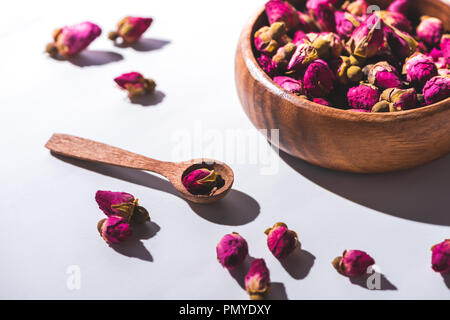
(88, 150)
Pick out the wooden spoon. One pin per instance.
(89, 150)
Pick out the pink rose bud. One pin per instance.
(402, 44)
(357, 8)
(269, 39)
(269, 66)
(346, 23)
(303, 56)
(306, 22)
(365, 96)
(281, 241)
(232, 250)
(368, 38)
(353, 263)
(430, 30)
(130, 29)
(440, 257)
(322, 11)
(419, 69)
(135, 84)
(328, 44)
(289, 84)
(114, 229)
(445, 45)
(400, 99)
(71, 40)
(257, 280)
(396, 20)
(321, 101)
(121, 204)
(283, 56)
(318, 80)
(400, 6)
(437, 89)
(299, 36)
(384, 76)
(282, 11)
(202, 181)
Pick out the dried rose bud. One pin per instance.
(321, 101)
(114, 229)
(257, 280)
(400, 99)
(267, 65)
(353, 263)
(328, 45)
(121, 204)
(71, 40)
(402, 44)
(135, 84)
(269, 39)
(289, 84)
(346, 23)
(354, 74)
(384, 76)
(367, 39)
(419, 69)
(340, 69)
(306, 22)
(437, 89)
(299, 36)
(322, 11)
(357, 8)
(303, 56)
(232, 250)
(282, 11)
(281, 241)
(201, 181)
(130, 29)
(283, 56)
(318, 80)
(400, 6)
(382, 106)
(440, 257)
(430, 30)
(396, 20)
(364, 96)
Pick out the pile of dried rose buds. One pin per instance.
(122, 210)
(336, 53)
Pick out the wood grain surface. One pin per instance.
(340, 139)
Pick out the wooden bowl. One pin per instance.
(339, 139)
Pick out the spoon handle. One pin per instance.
(89, 150)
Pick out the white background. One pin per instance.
(49, 215)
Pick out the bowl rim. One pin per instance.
(245, 44)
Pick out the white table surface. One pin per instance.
(49, 215)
